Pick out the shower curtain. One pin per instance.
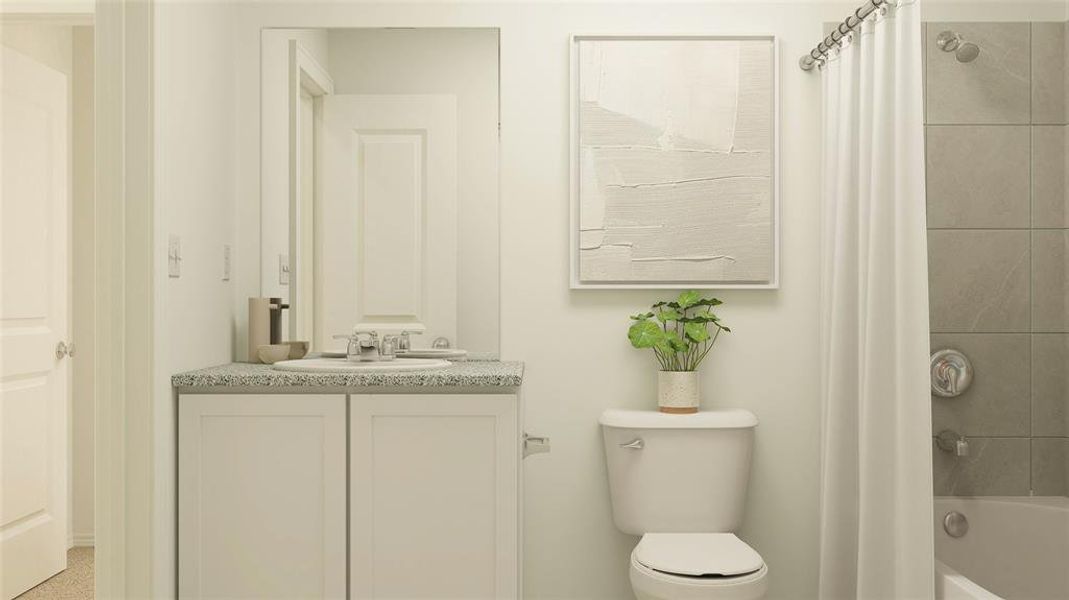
(876, 477)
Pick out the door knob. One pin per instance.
(64, 349)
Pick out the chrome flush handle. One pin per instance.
(635, 444)
(534, 444)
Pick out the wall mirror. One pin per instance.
(379, 183)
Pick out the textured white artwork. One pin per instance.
(676, 166)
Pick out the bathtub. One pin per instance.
(1015, 549)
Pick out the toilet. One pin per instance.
(679, 481)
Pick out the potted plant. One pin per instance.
(681, 334)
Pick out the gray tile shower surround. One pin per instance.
(998, 219)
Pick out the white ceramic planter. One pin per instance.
(677, 392)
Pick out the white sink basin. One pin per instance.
(342, 365)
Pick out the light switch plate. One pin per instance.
(174, 256)
(283, 269)
(226, 262)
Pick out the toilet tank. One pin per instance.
(678, 473)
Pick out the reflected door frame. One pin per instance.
(307, 80)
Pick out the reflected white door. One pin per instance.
(34, 198)
(389, 218)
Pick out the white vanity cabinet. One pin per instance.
(434, 497)
(364, 496)
(261, 496)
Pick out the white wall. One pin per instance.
(194, 198)
(578, 358)
(463, 62)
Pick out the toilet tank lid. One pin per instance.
(729, 418)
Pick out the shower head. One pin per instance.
(967, 52)
(949, 41)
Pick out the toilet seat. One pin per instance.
(695, 566)
(697, 554)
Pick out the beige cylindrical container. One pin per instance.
(259, 326)
(678, 392)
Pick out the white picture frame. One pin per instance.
(575, 256)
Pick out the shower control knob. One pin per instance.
(951, 373)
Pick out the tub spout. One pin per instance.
(951, 441)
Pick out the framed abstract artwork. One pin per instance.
(674, 168)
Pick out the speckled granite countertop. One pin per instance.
(472, 373)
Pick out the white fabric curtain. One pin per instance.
(876, 477)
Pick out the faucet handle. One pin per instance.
(404, 343)
(389, 346)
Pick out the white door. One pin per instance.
(261, 496)
(33, 320)
(434, 496)
(389, 218)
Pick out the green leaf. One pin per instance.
(678, 344)
(696, 332)
(668, 315)
(645, 334)
(659, 304)
(708, 302)
(689, 298)
(671, 343)
(727, 329)
(641, 316)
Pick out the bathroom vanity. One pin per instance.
(350, 485)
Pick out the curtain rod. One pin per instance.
(808, 61)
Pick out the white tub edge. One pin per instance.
(951, 585)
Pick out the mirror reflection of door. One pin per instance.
(379, 190)
(389, 214)
(304, 258)
(309, 84)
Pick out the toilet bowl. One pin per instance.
(680, 482)
(696, 566)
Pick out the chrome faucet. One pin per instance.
(364, 346)
(951, 441)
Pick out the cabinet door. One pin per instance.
(261, 496)
(434, 496)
